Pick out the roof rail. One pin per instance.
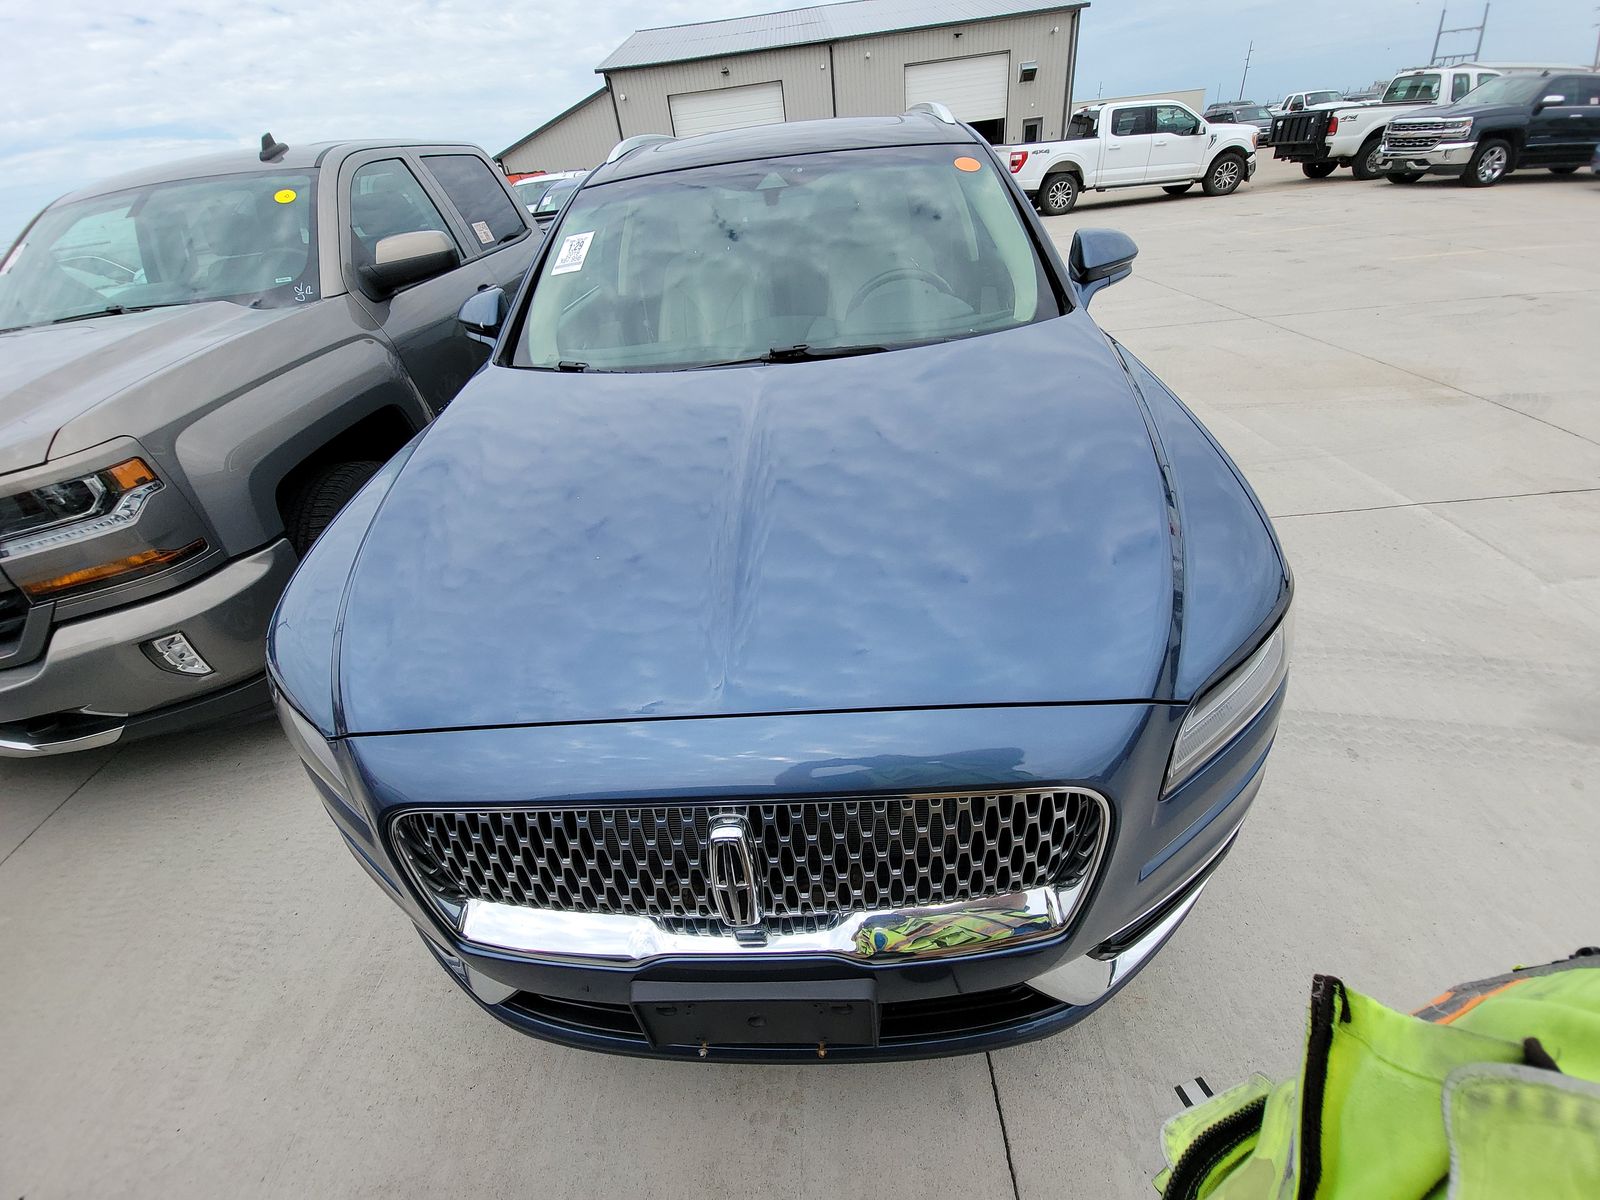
(629, 145)
(935, 110)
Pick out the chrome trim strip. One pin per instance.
(879, 936)
(1086, 979)
(12, 747)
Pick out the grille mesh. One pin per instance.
(816, 859)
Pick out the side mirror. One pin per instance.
(1551, 101)
(402, 259)
(1099, 258)
(483, 314)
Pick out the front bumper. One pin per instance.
(1447, 158)
(1158, 855)
(94, 685)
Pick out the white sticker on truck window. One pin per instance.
(481, 228)
(572, 253)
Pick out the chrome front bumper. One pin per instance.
(1446, 156)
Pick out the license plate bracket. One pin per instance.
(832, 1012)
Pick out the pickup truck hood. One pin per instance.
(977, 522)
(55, 373)
(1461, 108)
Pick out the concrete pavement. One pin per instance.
(203, 995)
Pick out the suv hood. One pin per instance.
(972, 523)
(54, 373)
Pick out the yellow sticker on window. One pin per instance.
(968, 164)
(286, 196)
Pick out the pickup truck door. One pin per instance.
(1129, 133)
(1177, 149)
(383, 192)
(1558, 133)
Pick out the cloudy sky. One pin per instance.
(99, 86)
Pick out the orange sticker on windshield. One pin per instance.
(286, 196)
(968, 164)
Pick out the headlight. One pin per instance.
(58, 514)
(117, 492)
(1457, 129)
(314, 749)
(1217, 718)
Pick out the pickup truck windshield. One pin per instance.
(1507, 89)
(784, 259)
(1408, 88)
(249, 239)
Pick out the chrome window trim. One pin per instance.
(632, 941)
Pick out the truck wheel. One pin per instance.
(1058, 193)
(1403, 176)
(319, 499)
(1489, 165)
(1365, 163)
(1178, 189)
(1225, 175)
(1562, 170)
(1318, 170)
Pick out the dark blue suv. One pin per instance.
(810, 636)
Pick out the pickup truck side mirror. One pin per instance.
(1549, 102)
(483, 314)
(402, 259)
(1099, 258)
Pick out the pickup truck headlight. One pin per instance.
(1216, 718)
(57, 514)
(1457, 129)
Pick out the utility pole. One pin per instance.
(1597, 43)
(1246, 74)
(1444, 60)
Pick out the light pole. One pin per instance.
(1246, 74)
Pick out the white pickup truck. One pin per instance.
(1324, 137)
(1147, 143)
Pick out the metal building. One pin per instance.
(1005, 66)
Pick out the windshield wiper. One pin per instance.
(113, 310)
(805, 353)
(798, 353)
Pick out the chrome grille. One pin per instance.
(817, 859)
(1395, 140)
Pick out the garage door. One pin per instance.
(974, 88)
(726, 108)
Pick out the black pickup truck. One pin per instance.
(1548, 120)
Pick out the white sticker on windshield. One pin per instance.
(481, 228)
(572, 253)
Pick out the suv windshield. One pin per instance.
(783, 258)
(557, 195)
(1412, 87)
(531, 191)
(1507, 89)
(249, 238)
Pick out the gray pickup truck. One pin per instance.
(201, 364)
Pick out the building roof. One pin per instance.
(808, 26)
(553, 121)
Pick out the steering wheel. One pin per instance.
(895, 275)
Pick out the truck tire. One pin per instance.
(1224, 175)
(318, 501)
(1490, 163)
(1365, 164)
(1562, 170)
(1178, 189)
(1058, 193)
(1318, 170)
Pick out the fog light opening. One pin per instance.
(173, 652)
